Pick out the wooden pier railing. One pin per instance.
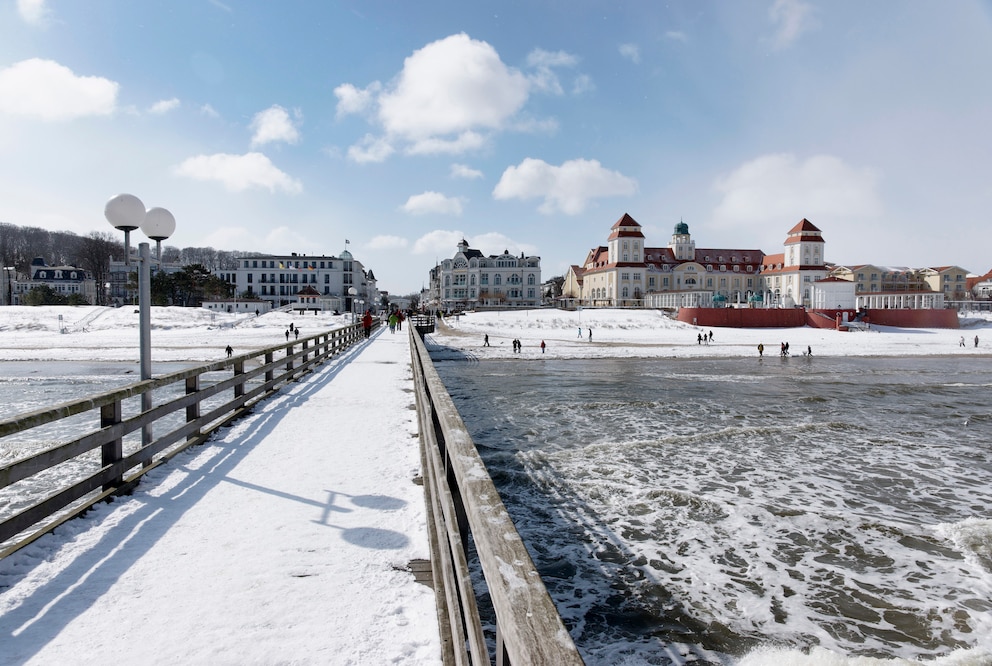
(110, 456)
(463, 505)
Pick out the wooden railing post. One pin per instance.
(112, 451)
(239, 369)
(269, 374)
(193, 411)
(289, 355)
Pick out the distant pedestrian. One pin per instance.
(590, 335)
(580, 332)
(485, 340)
(962, 341)
(367, 323)
(699, 338)
(542, 346)
(809, 350)
(761, 349)
(782, 349)
(297, 332)
(786, 348)
(711, 336)
(392, 322)
(976, 340)
(287, 336)
(290, 326)
(229, 350)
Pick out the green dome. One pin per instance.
(682, 229)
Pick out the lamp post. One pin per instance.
(126, 212)
(351, 292)
(10, 285)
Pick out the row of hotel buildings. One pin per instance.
(336, 283)
(628, 272)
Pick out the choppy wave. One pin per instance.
(789, 521)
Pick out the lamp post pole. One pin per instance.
(126, 212)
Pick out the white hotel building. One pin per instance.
(469, 279)
(279, 279)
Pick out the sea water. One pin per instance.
(27, 386)
(749, 510)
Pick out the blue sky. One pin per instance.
(525, 126)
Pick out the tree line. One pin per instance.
(94, 251)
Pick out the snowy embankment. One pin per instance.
(651, 334)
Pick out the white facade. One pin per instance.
(470, 279)
(279, 279)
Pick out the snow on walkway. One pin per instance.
(282, 541)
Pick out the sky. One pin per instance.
(396, 129)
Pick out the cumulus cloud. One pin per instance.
(439, 242)
(209, 111)
(451, 86)
(274, 124)
(387, 243)
(632, 52)
(164, 106)
(354, 100)
(783, 189)
(496, 243)
(50, 91)
(567, 188)
(465, 171)
(239, 172)
(432, 203)
(33, 12)
(791, 19)
(449, 98)
(371, 149)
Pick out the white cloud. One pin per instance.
(451, 86)
(354, 100)
(438, 242)
(239, 172)
(164, 106)
(209, 111)
(387, 243)
(582, 84)
(274, 124)
(632, 52)
(677, 36)
(462, 143)
(432, 203)
(497, 243)
(545, 78)
(50, 91)
(780, 190)
(567, 188)
(465, 171)
(371, 149)
(33, 12)
(791, 18)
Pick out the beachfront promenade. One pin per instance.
(286, 539)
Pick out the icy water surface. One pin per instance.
(691, 511)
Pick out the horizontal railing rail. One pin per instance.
(463, 505)
(196, 408)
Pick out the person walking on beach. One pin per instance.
(297, 332)
(287, 336)
(761, 349)
(485, 340)
(542, 346)
(976, 341)
(711, 336)
(229, 350)
(786, 348)
(962, 341)
(580, 332)
(809, 350)
(590, 335)
(699, 338)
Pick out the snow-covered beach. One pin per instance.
(650, 334)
